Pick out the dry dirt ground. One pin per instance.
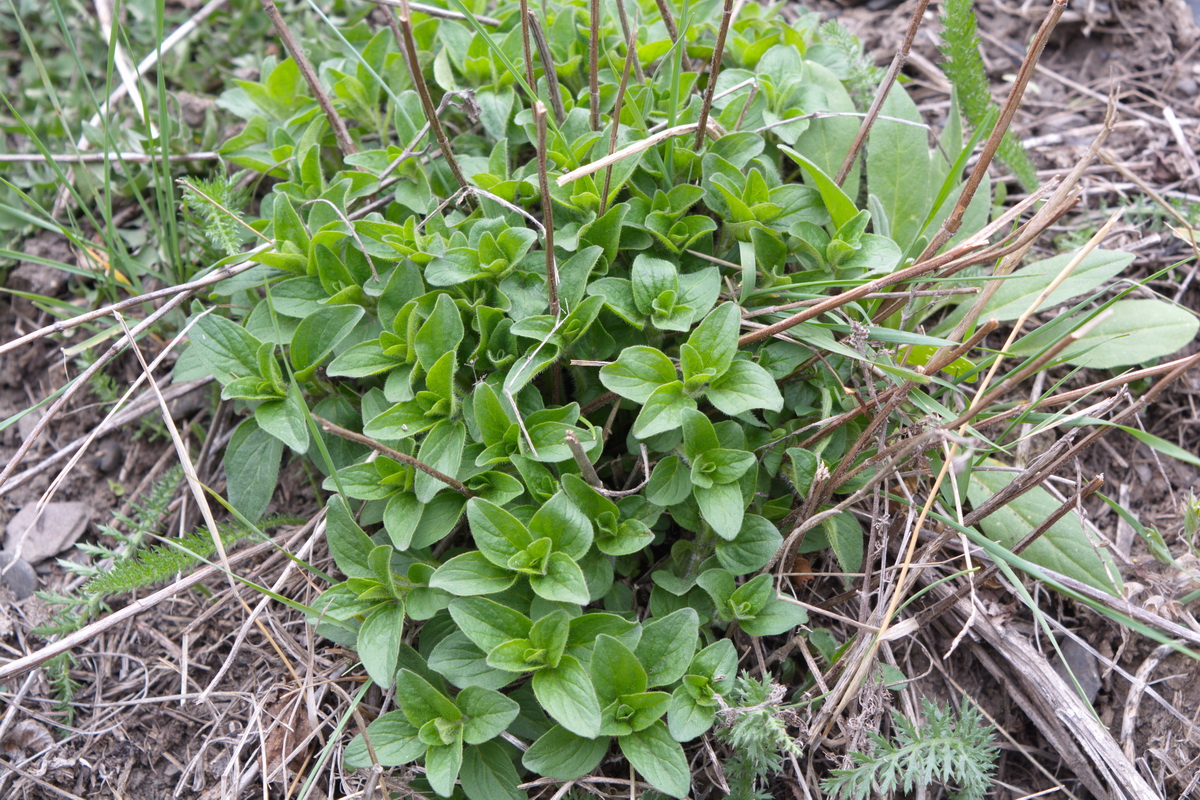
(200, 698)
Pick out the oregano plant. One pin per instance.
(574, 335)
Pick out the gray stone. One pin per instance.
(1083, 667)
(38, 538)
(17, 576)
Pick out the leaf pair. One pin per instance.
(645, 375)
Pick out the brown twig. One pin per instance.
(345, 143)
(898, 62)
(383, 449)
(525, 46)
(586, 470)
(630, 58)
(668, 19)
(713, 70)
(539, 119)
(547, 59)
(594, 62)
(404, 18)
(629, 34)
(952, 223)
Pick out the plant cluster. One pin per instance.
(541, 382)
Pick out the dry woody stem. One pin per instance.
(898, 62)
(539, 119)
(403, 458)
(713, 70)
(345, 143)
(418, 78)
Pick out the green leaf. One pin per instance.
(442, 763)
(637, 373)
(318, 334)
(670, 483)
(361, 361)
(1016, 293)
(775, 618)
(442, 449)
(650, 278)
(566, 694)
(846, 537)
(487, 623)
(550, 634)
(285, 419)
(615, 670)
(440, 334)
(564, 525)
(745, 386)
(459, 661)
(488, 774)
(719, 585)
(715, 338)
(420, 702)
(659, 759)
(687, 718)
(488, 713)
(394, 740)
(663, 411)
(1136, 332)
(722, 507)
(471, 574)
(898, 168)
(755, 545)
(251, 468)
(351, 548)
(1065, 547)
(226, 348)
(498, 534)
(379, 642)
(667, 646)
(564, 756)
(841, 207)
(563, 581)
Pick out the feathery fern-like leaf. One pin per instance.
(964, 67)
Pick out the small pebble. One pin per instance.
(17, 576)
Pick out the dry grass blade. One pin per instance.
(714, 70)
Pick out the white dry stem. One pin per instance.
(633, 149)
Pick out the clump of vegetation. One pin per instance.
(571, 316)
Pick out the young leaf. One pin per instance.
(562, 755)
(659, 759)
(379, 642)
(566, 694)
(667, 646)
(637, 373)
(488, 713)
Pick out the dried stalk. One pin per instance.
(404, 18)
(898, 62)
(630, 58)
(629, 34)
(594, 62)
(668, 19)
(547, 59)
(633, 149)
(713, 70)
(586, 470)
(539, 119)
(345, 143)
(403, 458)
(525, 46)
(442, 13)
(952, 223)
